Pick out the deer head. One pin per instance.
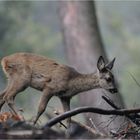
(106, 78)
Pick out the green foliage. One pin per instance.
(19, 31)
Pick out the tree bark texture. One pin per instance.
(83, 47)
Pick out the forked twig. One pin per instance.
(134, 117)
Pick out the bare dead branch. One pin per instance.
(120, 112)
(135, 118)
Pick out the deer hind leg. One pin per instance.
(2, 95)
(43, 103)
(14, 88)
(1, 99)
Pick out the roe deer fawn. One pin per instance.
(29, 70)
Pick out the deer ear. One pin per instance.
(101, 63)
(110, 65)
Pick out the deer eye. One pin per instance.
(108, 79)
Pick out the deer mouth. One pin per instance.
(113, 90)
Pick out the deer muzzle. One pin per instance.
(113, 90)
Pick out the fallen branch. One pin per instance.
(120, 112)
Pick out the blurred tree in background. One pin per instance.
(84, 45)
(33, 26)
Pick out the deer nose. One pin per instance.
(113, 90)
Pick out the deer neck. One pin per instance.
(85, 82)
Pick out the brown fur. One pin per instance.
(30, 70)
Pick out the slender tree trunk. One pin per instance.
(83, 47)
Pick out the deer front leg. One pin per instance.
(43, 103)
(66, 107)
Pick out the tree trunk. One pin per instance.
(83, 47)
